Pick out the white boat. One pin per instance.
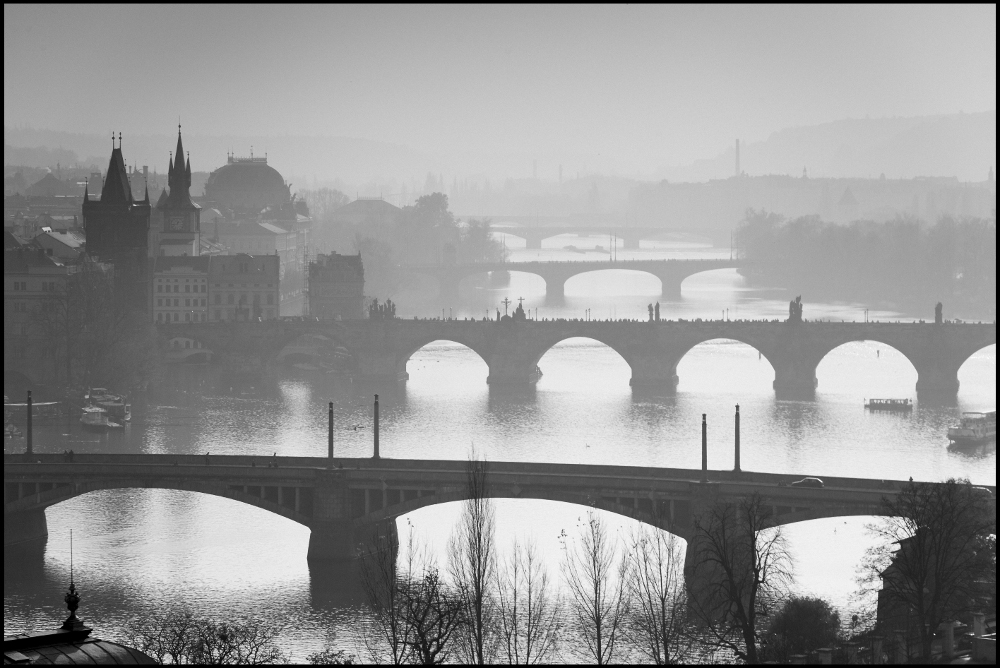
(975, 428)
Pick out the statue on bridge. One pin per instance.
(650, 307)
(795, 310)
(656, 312)
(938, 314)
(384, 311)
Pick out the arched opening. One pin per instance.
(525, 520)
(827, 555)
(581, 365)
(725, 368)
(977, 377)
(169, 545)
(316, 352)
(486, 289)
(859, 370)
(445, 369)
(603, 283)
(713, 290)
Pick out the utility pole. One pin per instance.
(376, 456)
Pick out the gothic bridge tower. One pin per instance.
(117, 230)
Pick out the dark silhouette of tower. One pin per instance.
(116, 228)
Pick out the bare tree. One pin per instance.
(935, 557)
(472, 563)
(178, 637)
(528, 616)
(386, 590)
(658, 625)
(742, 571)
(598, 592)
(433, 616)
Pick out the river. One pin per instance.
(136, 550)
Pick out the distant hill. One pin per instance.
(960, 145)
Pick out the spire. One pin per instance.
(86, 191)
(145, 200)
(179, 177)
(116, 186)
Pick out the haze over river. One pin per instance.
(141, 549)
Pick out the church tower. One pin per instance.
(177, 220)
(117, 230)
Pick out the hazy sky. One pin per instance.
(652, 85)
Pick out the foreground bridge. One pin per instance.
(670, 272)
(343, 501)
(512, 350)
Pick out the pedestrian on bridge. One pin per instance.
(206, 459)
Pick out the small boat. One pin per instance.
(97, 421)
(117, 410)
(894, 405)
(975, 428)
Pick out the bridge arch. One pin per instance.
(873, 366)
(634, 510)
(970, 365)
(742, 362)
(415, 346)
(535, 356)
(297, 507)
(639, 273)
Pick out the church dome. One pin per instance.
(246, 186)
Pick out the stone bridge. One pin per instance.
(343, 500)
(670, 272)
(512, 350)
(533, 235)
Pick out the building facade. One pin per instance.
(243, 287)
(337, 287)
(180, 289)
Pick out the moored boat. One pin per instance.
(975, 428)
(895, 405)
(97, 421)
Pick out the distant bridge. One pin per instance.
(512, 350)
(342, 500)
(533, 235)
(670, 272)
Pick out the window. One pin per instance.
(159, 288)
(187, 288)
(20, 307)
(175, 317)
(159, 302)
(204, 302)
(203, 288)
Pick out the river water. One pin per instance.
(136, 550)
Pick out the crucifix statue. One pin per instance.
(506, 302)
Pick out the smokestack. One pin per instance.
(737, 158)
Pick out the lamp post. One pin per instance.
(704, 447)
(737, 466)
(376, 456)
(27, 441)
(329, 438)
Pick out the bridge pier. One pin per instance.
(936, 378)
(22, 527)
(793, 378)
(653, 373)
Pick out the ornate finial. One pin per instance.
(72, 599)
(119, 141)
